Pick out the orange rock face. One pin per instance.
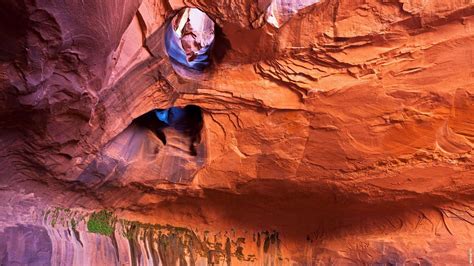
(343, 134)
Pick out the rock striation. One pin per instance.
(335, 132)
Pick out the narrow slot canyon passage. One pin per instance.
(189, 39)
(187, 120)
(268, 133)
(160, 146)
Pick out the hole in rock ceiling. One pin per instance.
(187, 120)
(189, 39)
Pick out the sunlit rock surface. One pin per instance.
(344, 135)
(189, 38)
(280, 11)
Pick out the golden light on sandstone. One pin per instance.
(271, 132)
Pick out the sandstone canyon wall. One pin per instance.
(336, 132)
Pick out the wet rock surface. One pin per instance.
(341, 135)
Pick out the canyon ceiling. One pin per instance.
(335, 132)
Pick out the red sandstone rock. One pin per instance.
(348, 130)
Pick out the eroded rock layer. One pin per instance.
(335, 131)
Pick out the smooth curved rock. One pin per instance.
(280, 11)
(344, 136)
(189, 39)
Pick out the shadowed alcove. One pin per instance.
(162, 145)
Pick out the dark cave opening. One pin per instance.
(187, 120)
(161, 145)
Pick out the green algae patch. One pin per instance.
(102, 222)
(56, 215)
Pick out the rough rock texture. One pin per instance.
(345, 136)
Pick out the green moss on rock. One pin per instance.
(102, 223)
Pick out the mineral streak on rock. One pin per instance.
(342, 136)
(135, 243)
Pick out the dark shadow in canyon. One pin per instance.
(187, 120)
(152, 151)
(321, 211)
